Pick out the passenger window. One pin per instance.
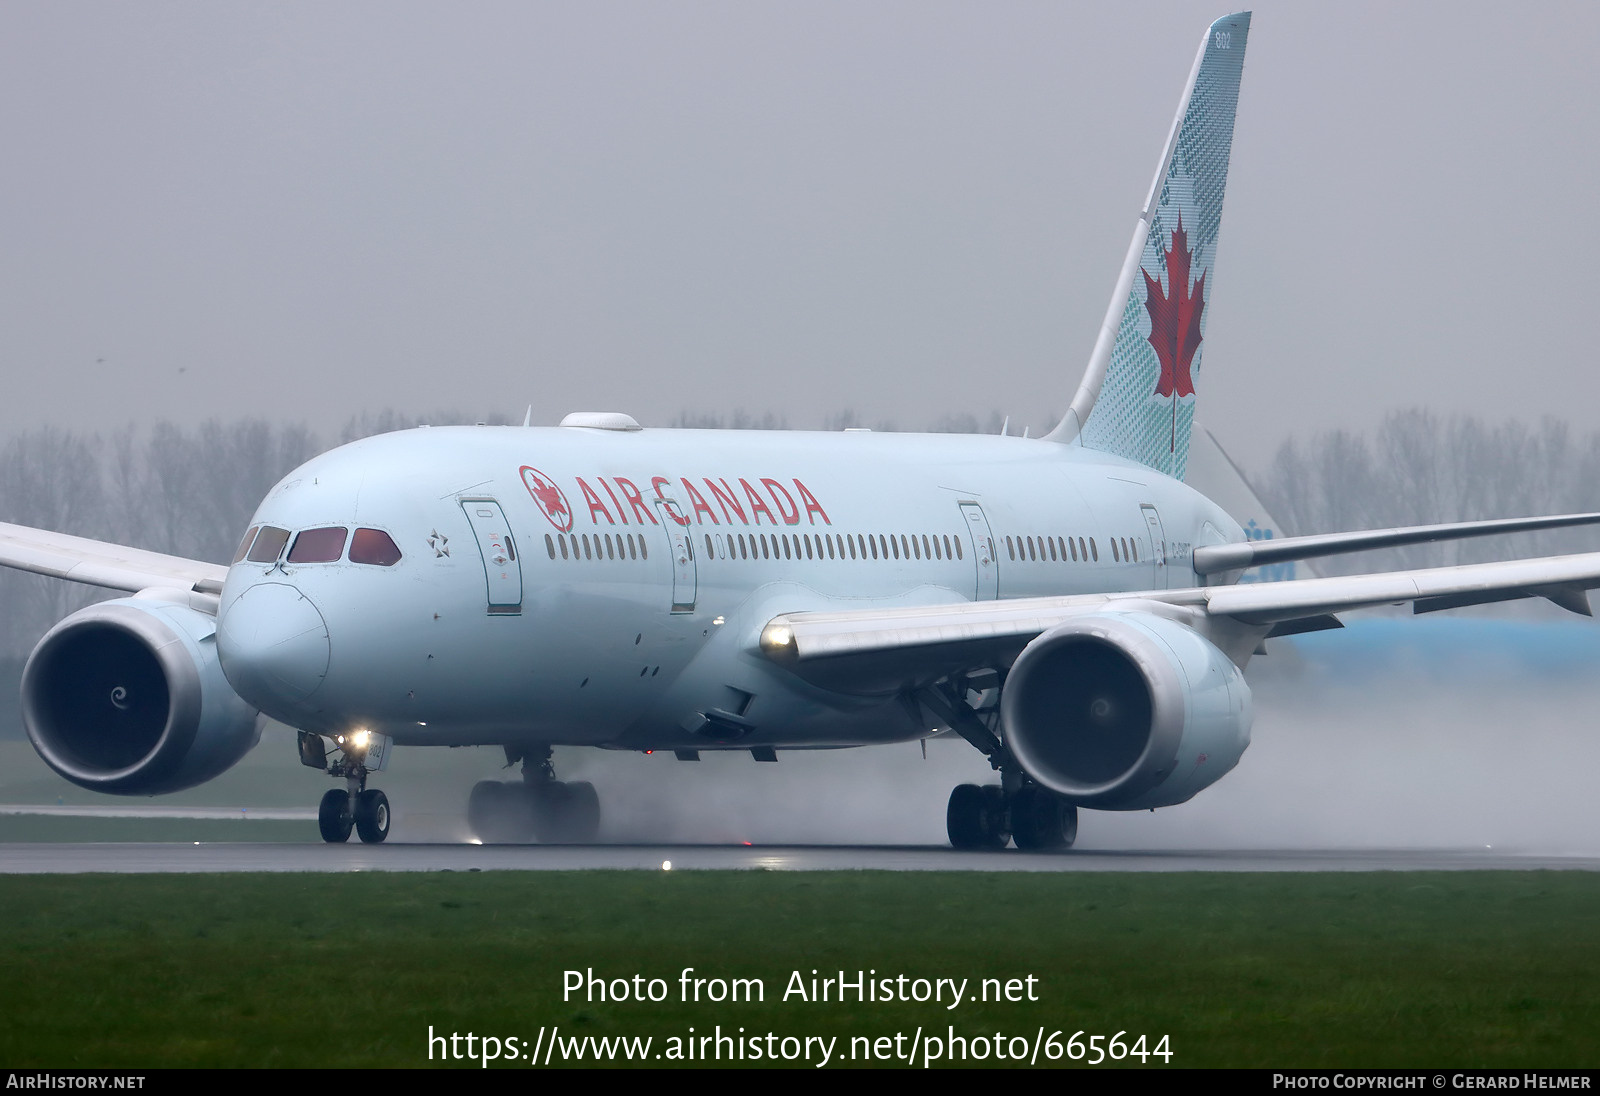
(550, 546)
(371, 546)
(269, 545)
(244, 545)
(1051, 544)
(319, 545)
(958, 549)
(711, 553)
(1010, 551)
(563, 542)
(1094, 552)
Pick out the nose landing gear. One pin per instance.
(357, 807)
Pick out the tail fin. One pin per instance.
(1137, 396)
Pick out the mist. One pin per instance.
(1460, 733)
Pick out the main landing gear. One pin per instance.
(537, 807)
(985, 817)
(356, 806)
(1017, 809)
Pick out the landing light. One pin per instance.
(777, 641)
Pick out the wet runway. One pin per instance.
(50, 858)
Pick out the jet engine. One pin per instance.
(1125, 710)
(127, 697)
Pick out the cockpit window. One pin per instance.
(269, 544)
(244, 545)
(374, 546)
(318, 545)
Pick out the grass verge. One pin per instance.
(1326, 969)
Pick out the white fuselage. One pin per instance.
(607, 587)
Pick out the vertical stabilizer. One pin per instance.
(1138, 395)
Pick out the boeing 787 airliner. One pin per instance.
(1066, 604)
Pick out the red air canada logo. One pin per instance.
(549, 497)
(1175, 322)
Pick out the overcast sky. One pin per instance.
(304, 211)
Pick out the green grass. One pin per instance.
(1325, 969)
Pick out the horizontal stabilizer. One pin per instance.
(1251, 553)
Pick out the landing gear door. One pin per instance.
(983, 554)
(502, 571)
(685, 577)
(1161, 579)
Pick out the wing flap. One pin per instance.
(1472, 584)
(1215, 558)
(101, 563)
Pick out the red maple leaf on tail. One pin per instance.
(1175, 322)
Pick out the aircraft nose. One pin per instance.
(273, 645)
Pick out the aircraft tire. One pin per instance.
(333, 816)
(498, 813)
(567, 814)
(372, 816)
(581, 813)
(975, 817)
(1041, 819)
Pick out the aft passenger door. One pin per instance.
(502, 571)
(1158, 548)
(983, 554)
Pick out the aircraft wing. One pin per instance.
(873, 649)
(100, 563)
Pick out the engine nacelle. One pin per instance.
(127, 697)
(1125, 710)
